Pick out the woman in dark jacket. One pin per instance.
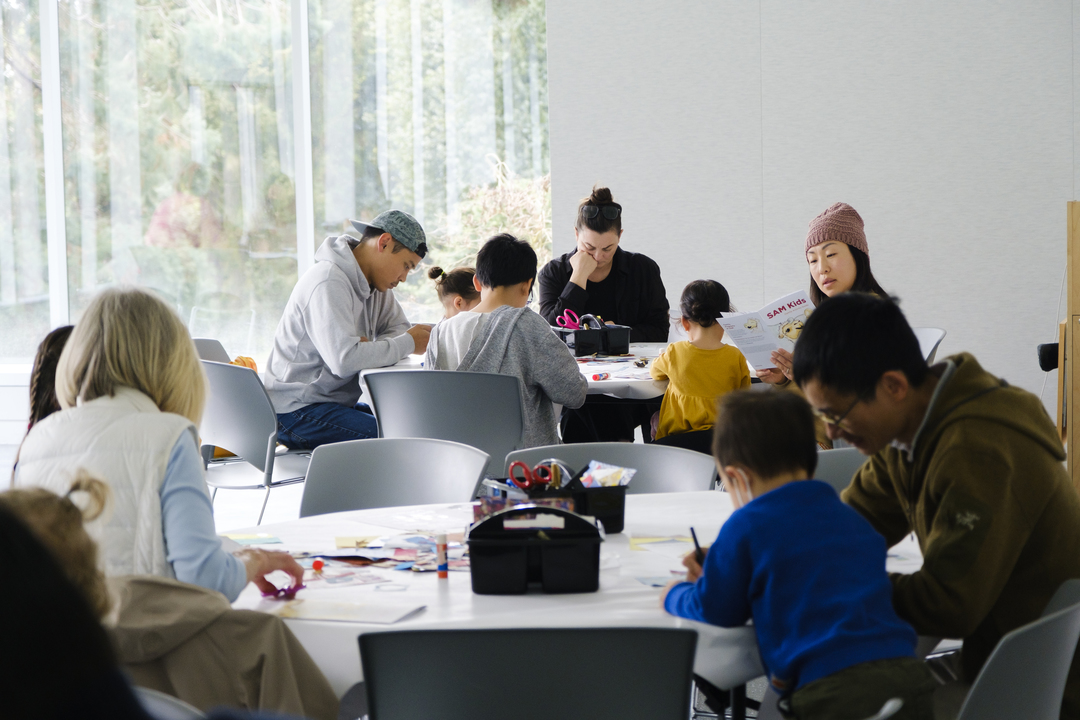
(622, 288)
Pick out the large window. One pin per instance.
(178, 159)
(24, 282)
(183, 144)
(435, 107)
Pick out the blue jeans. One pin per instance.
(322, 423)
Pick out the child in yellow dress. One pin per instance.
(698, 370)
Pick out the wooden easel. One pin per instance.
(1068, 348)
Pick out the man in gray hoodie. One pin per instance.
(502, 335)
(340, 319)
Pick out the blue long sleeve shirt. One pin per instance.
(810, 571)
(192, 546)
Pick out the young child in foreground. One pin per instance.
(808, 570)
(700, 369)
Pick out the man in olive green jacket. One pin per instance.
(968, 463)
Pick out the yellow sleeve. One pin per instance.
(658, 370)
(744, 371)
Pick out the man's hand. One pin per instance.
(420, 335)
(583, 265)
(260, 563)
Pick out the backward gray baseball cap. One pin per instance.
(402, 226)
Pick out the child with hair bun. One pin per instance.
(698, 370)
(457, 289)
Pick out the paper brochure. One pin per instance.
(773, 327)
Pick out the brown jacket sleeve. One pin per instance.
(977, 525)
(873, 494)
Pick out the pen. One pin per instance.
(698, 554)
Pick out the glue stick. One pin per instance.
(440, 556)
(601, 376)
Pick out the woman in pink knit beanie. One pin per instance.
(837, 254)
(839, 261)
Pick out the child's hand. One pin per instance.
(693, 569)
(666, 590)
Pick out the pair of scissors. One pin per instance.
(539, 475)
(569, 320)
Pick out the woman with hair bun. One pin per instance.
(456, 289)
(621, 287)
(698, 370)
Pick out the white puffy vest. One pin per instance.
(125, 441)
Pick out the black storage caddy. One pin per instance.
(562, 560)
(585, 341)
(607, 340)
(606, 504)
(616, 339)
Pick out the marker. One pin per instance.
(440, 556)
(698, 554)
(601, 376)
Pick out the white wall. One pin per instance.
(724, 127)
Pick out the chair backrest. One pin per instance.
(929, 338)
(160, 706)
(385, 472)
(238, 414)
(478, 409)
(1066, 595)
(1025, 675)
(838, 466)
(528, 674)
(660, 468)
(211, 349)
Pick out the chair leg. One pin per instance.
(263, 510)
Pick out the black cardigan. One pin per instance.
(640, 298)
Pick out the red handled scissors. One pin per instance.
(569, 320)
(539, 475)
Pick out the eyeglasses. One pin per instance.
(610, 211)
(832, 418)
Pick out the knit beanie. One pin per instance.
(841, 223)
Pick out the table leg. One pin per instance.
(738, 703)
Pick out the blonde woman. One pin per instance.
(131, 392)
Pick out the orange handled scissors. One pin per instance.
(539, 475)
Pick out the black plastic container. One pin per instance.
(616, 340)
(585, 341)
(606, 504)
(505, 561)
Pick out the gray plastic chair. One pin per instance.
(1025, 675)
(240, 418)
(165, 707)
(211, 349)
(523, 673)
(385, 472)
(478, 409)
(929, 338)
(838, 466)
(1067, 595)
(660, 468)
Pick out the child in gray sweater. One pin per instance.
(502, 335)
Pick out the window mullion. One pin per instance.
(55, 229)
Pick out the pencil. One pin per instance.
(698, 554)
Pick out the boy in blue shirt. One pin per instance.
(809, 570)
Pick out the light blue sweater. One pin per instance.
(192, 545)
